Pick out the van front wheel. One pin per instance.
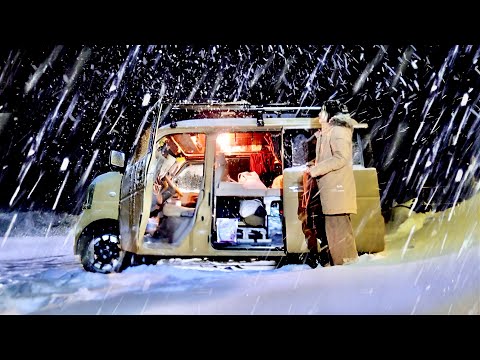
(102, 254)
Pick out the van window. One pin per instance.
(357, 150)
(300, 147)
(142, 143)
(190, 178)
(142, 146)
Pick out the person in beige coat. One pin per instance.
(333, 171)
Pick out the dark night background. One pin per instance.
(64, 101)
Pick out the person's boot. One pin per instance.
(312, 260)
(324, 257)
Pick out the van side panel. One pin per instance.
(369, 228)
(103, 205)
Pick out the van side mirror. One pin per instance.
(117, 158)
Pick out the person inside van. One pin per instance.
(163, 187)
(333, 170)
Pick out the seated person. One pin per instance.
(162, 191)
(170, 209)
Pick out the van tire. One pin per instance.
(102, 253)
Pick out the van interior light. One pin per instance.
(230, 143)
(223, 141)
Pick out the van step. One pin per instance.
(202, 264)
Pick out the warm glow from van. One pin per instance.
(227, 144)
(224, 141)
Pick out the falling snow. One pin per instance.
(62, 109)
(64, 164)
(412, 276)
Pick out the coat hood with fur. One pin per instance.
(344, 120)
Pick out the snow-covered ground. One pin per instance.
(431, 265)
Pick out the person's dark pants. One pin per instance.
(314, 225)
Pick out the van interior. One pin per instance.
(247, 190)
(179, 177)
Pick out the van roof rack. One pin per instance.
(260, 112)
(241, 105)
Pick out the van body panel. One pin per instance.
(368, 222)
(101, 203)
